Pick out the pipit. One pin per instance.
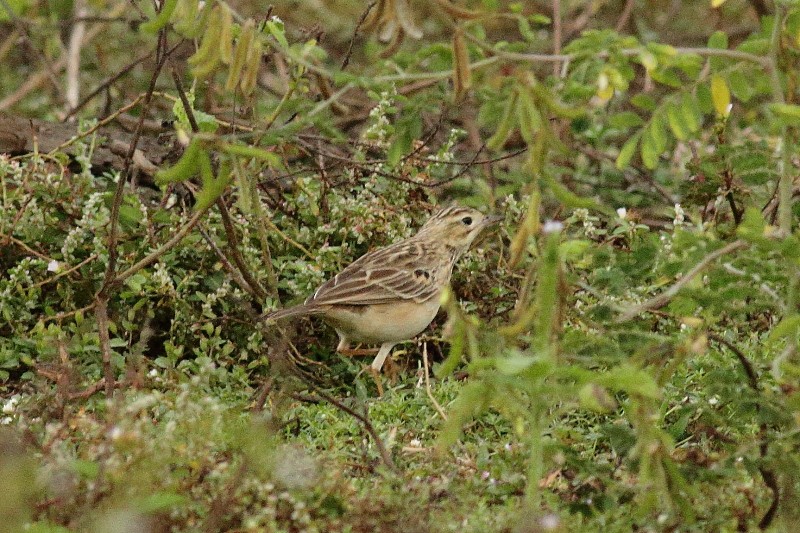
(391, 294)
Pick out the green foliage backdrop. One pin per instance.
(621, 355)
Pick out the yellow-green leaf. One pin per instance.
(720, 95)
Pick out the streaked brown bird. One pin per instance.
(391, 294)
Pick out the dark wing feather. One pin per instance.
(408, 270)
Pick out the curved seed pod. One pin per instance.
(225, 35)
(184, 17)
(161, 19)
(401, 11)
(186, 167)
(388, 31)
(530, 226)
(240, 56)
(462, 74)
(458, 12)
(205, 60)
(398, 39)
(248, 81)
(530, 119)
(376, 15)
(507, 122)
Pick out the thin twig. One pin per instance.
(107, 83)
(152, 257)
(65, 272)
(237, 277)
(662, 299)
(428, 383)
(72, 92)
(361, 20)
(236, 255)
(113, 116)
(556, 35)
(625, 16)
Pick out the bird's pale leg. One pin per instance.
(383, 353)
(344, 344)
(377, 364)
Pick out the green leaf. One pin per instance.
(741, 86)
(632, 380)
(789, 328)
(648, 150)
(643, 101)
(667, 77)
(185, 168)
(788, 112)
(692, 115)
(677, 122)
(719, 40)
(573, 249)
(658, 131)
(626, 119)
(627, 151)
(86, 469)
(753, 225)
(161, 501)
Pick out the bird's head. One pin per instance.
(456, 226)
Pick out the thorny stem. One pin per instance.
(784, 165)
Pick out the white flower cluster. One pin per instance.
(95, 218)
(588, 221)
(680, 216)
(162, 278)
(379, 130)
(214, 297)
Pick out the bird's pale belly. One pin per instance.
(377, 324)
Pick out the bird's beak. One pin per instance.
(492, 220)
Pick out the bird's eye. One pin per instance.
(467, 221)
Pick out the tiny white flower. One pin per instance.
(10, 405)
(622, 213)
(549, 521)
(115, 433)
(552, 226)
(53, 266)
(680, 215)
(714, 400)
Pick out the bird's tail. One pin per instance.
(297, 310)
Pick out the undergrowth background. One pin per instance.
(620, 355)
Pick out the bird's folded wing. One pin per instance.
(384, 276)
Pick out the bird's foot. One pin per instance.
(375, 375)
